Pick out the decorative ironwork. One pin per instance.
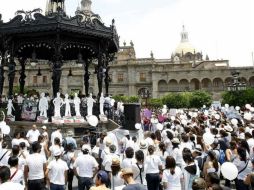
(57, 38)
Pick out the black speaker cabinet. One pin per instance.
(131, 116)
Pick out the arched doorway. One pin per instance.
(194, 84)
(173, 86)
(251, 81)
(218, 84)
(162, 86)
(206, 84)
(184, 85)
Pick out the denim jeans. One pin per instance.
(84, 183)
(70, 175)
(153, 181)
(56, 187)
(38, 184)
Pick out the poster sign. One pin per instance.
(29, 110)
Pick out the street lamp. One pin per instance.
(236, 85)
(144, 93)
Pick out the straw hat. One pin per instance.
(126, 171)
(143, 144)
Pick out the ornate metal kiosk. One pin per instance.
(57, 38)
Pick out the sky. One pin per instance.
(221, 29)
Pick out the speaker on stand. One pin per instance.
(131, 116)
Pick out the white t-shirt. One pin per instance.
(152, 163)
(4, 161)
(35, 164)
(56, 134)
(57, 169)
(15, 142)
(107, 161)
(32, 135)
(173, 181)
(10, 185)
(25, 141)
(18, 177)
(54, 147)
(240, 166)
(85, 164)
(128, 162)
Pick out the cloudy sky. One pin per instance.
(223, 29)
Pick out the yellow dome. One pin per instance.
(184, 47)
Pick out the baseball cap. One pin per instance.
(57, 152)
(44, 127)
(103, 176)
(86, 147)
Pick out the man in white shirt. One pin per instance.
(33, 134)
(6, 184)
(87, 167)
(56, 133)
(57, 170)
(35, 167)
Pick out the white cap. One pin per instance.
(57, 152)
(86, 147)
(44, 127)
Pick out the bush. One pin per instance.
(200, 98)
(176, 100)
(238, 98)
(155, 102)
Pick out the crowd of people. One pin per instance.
(171, 152)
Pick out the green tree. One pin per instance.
(200, 98)
(155, 102)
(238, 98)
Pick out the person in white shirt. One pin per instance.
(69, 158)
(244, 167)
(16, 139)
(4, 154)
(35, 169)
(172, 175)
(23, 139)
(16, 173)
(56, 134)
(57, 172)
(85, 168)
(6, 184)
(56, 145)
(33, 134)
(129, 160)
(45, 133)
(107, 161)
(153, 167)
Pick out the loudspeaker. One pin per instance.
(131, 116)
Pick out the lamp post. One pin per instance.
(144, 93)
(236, 85)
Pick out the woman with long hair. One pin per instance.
(154, 166)
(139, 168)
(211, 165)
(115, 176)
(244, 167)
(172, 175)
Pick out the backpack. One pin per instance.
(222, 156)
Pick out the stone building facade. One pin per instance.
(185, 70)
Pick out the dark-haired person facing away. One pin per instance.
(87, 167)
(35, 168)
(5, 183)
(172, 175)
(16, 174)
(101, 180)
(244, 167)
